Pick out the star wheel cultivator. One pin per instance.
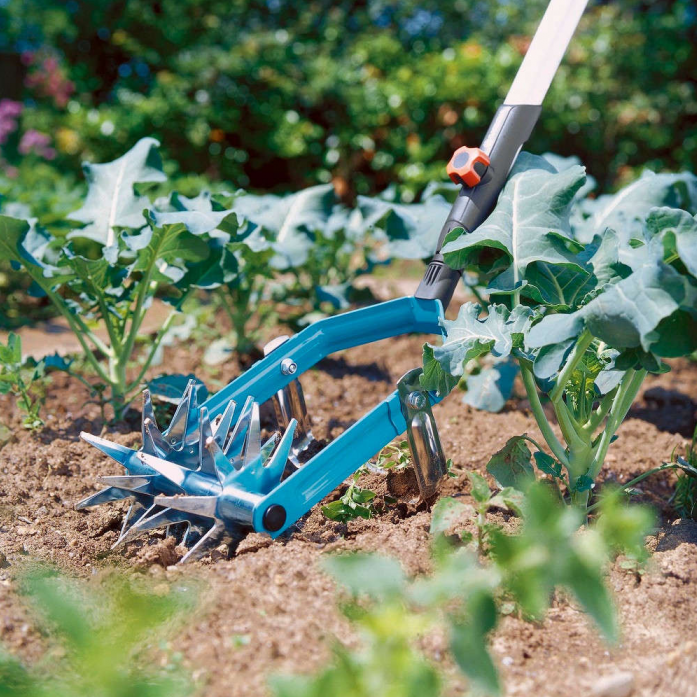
(209, 471)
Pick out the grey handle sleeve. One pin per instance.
(511, 127)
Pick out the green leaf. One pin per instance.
(434, 378)
(479, 487)
(547, 464)
(624, 527)
(14, 345)
(164, 249)
(583, 483)
(530, 224)
(633, 312)
(446, 512)
(509, 498)
(197, 215)
(111, 200)
(469, 647)
(678, 231)
(583, 574)
(469, 337)
(13, 233)
(511, 465)
(409, 230)
(366, 574)
(293, 220)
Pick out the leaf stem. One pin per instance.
(621, 404)
(539, 413)
(75, 326)
(625, 487)
(569, 428)
(600, 413)
(576, 355)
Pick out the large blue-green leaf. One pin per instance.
(410, 231)
(530, 225)
(491, 388)
(627, 210)
(293, 220)
(111, 200)
(654, 309)
(560, 163)
(165, 250)
(197, 214)
(469, 337)
(678, 232)
(23, 245)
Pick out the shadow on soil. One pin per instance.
(338, 368)
(668, 410)
(683, 531)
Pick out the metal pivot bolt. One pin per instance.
(289, 403)
(417, 400)
(422, 434)
(288, 366)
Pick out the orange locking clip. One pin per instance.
(467, 166)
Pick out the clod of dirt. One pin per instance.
(617, 685)
(402, 483)
(164, 553)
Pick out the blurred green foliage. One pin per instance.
(279, 94)
(102, 639)
(463, 598)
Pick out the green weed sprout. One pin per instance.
(26, 380)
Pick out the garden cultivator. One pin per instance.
(210, 470)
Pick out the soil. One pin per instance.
(274, 593)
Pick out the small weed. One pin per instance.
(25, 380)
(357, 502)
(685, 495)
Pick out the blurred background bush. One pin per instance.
(280, 94)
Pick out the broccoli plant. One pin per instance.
(591, 296)
(121, 253)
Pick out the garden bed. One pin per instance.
(271, 609)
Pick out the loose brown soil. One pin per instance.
(275, 594)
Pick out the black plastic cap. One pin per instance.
(274, 517)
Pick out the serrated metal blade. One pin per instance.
(104, 496)
(205, 506)
(117, 452)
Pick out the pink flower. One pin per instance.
(9, 114)
(33, 141)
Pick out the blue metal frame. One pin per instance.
(326, 470)
(311, 345)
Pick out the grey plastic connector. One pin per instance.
(510, 128)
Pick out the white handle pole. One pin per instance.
(546, 50)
